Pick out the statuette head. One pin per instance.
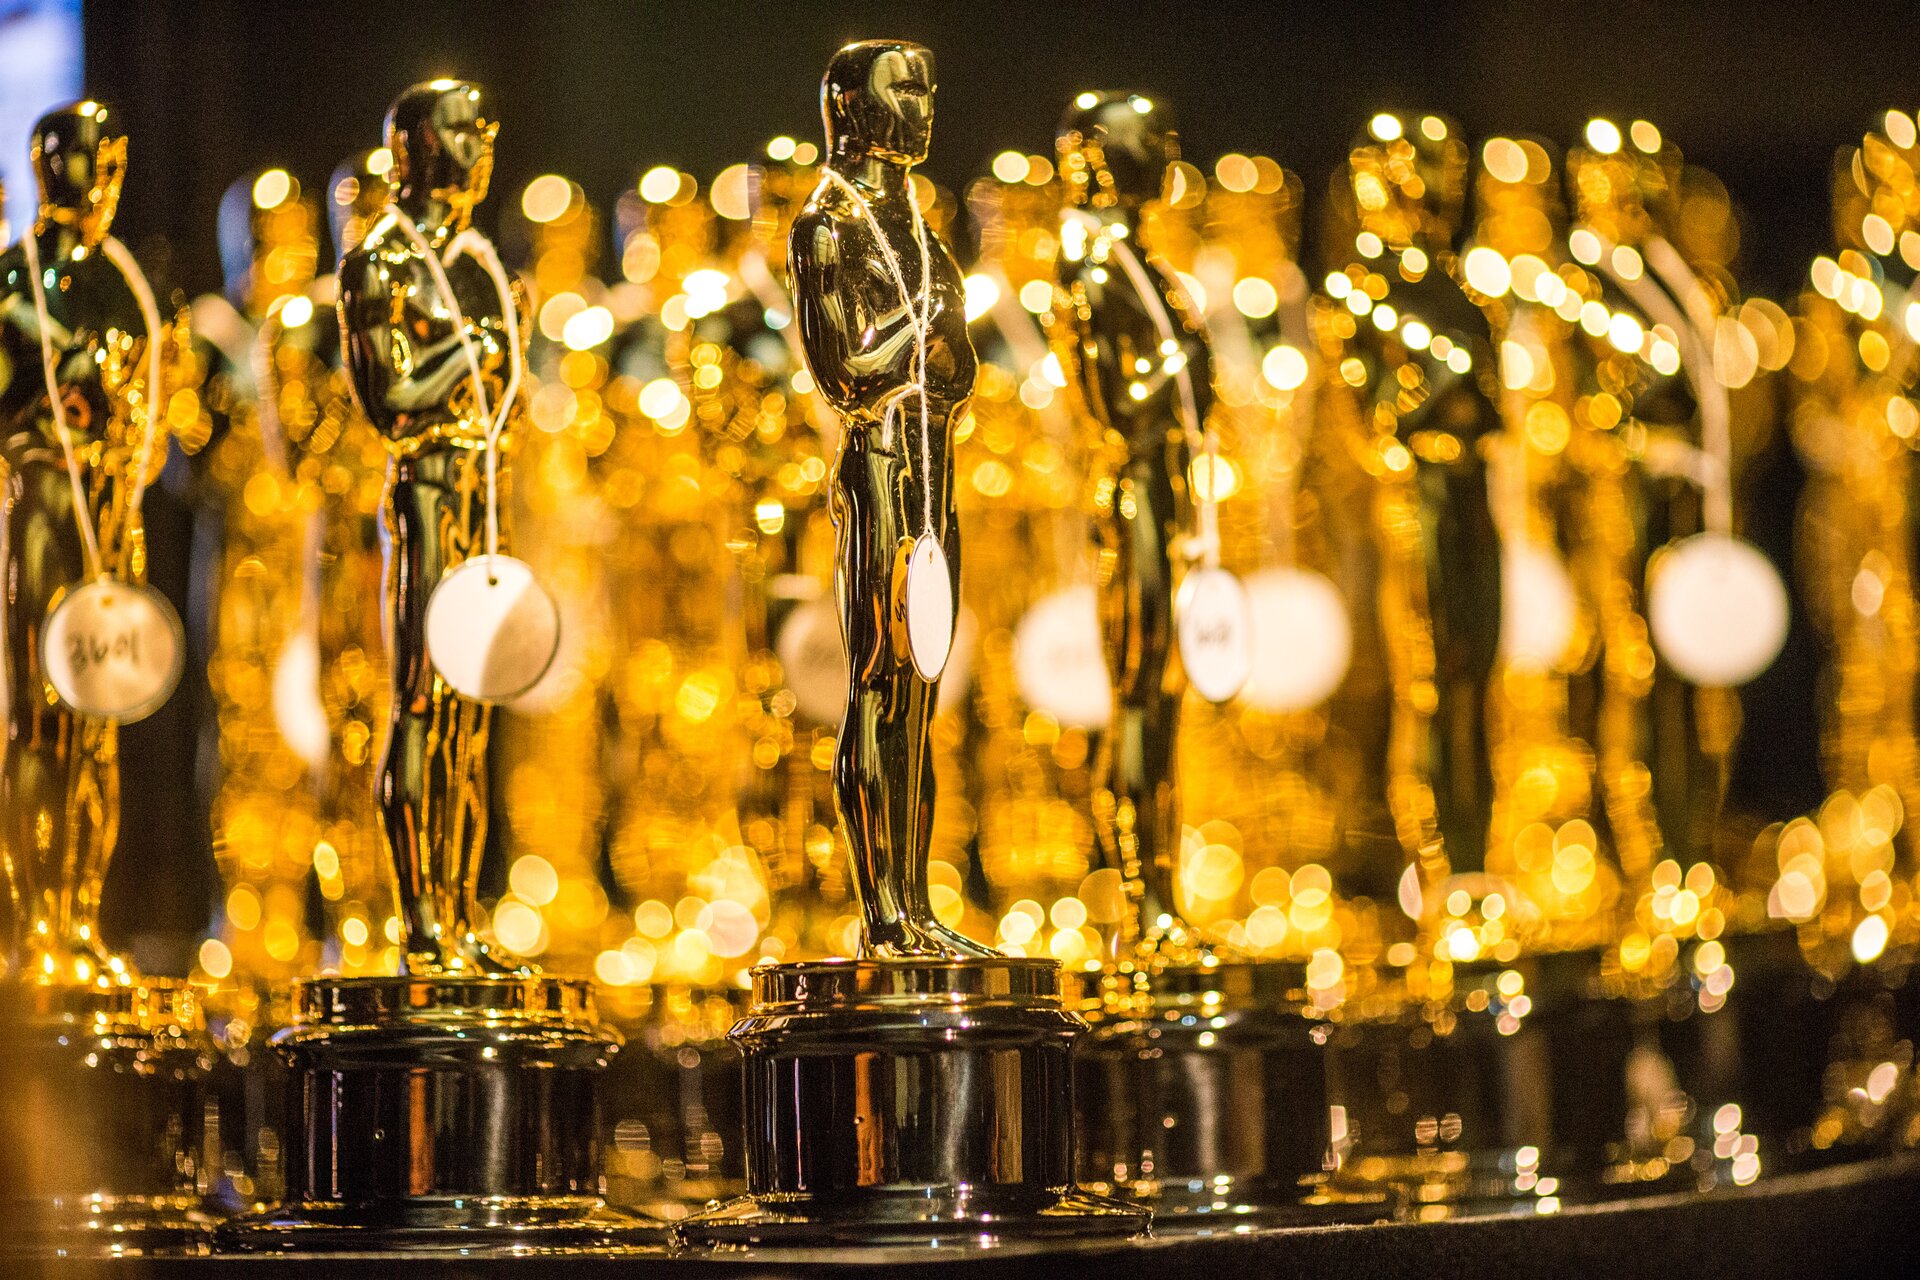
(80, 161)
(1115, 149)
(877, 97)
(357, 194)
(269, 239)
(1408, 174)
(441, 135)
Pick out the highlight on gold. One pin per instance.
(882, 692)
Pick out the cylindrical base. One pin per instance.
(1202, 1093)
(247, 1089)
(1751, 1049)
(446, 1113)
(1521, 1087)
(908, 1102)
(670, 1104)
(102, 1137)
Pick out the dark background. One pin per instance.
(601, 91)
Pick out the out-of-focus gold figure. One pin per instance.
(1289, 860)
(769, 438)
(677, 751)
(882, 316)
(1139, 367)
(101, 1070)
(60, 776)
(1847, 878)
(1408, 390)
(1548, 842)
(413, 379)
(291, 474)
(334, 446)
(551, 749)
(1038, 700)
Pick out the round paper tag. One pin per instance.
(1216, 632)
(930, 612)
(298, 711)
(492, 629)
(814, 658)
(1302, 639)
(1536, 608)
(1718, 609)
(113, 650)
(1059, 662)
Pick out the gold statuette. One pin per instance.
(505, 1060)
(101, 1071)
(1140, 367)
(413, 370)
(887, 1096)
(882, 318)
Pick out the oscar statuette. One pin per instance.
(102, 1071)
(453, 1106)
(921, 1093)
(1202, 1087)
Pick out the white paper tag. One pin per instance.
(1302, 639)
(1216, 633)
(1717, 608)
(1059, 661)
(930, 607)
(1536, 608)
(814, 659)
(492, 629)
(114, 650)
(298, 710)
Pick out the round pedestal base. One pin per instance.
(504, 1224)
(908, 1103)
(441, 1114)
(102, 1111)
(1786, 1068)
(909, 1218)
(1530, 1084)
(1223, 1207)
(670, 1103)
(1202, 1094)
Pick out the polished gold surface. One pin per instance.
(1843, 876)
(101, 1071)
(60, 778)
(281, 462)
(1408, 359)
(1493, 923)
(882, 317)
(1036, 700)
(411, 378)
(1132, 384)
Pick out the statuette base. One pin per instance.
(1524, 1087)
(1202, 1094)
(909, 1102)
(441, 1114)
(101, 1120)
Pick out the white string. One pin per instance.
(473, 243)
(1200, 439)
(129, 269)
(1715, 479)
(921, 320)
(1716, 413)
